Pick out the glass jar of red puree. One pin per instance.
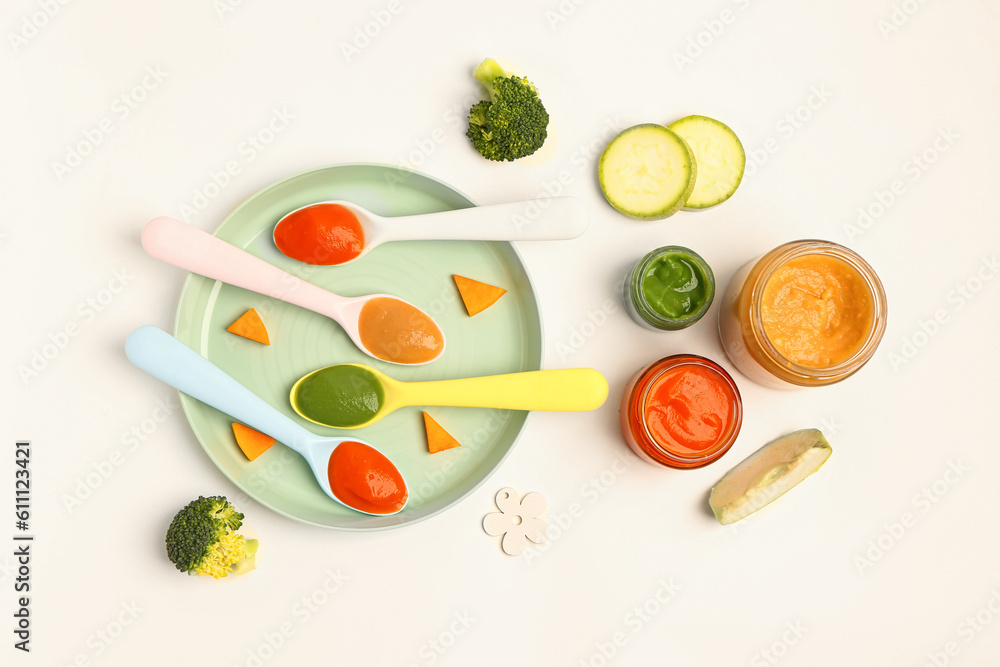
(683, 411)
(806, 314)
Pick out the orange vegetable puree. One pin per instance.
(324, 234)
(362, 478)
(689, 409)
(817, 310)
(393, 330)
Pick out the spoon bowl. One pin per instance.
(167, 359)
(416, 341)
(353, 396)
(339, 232)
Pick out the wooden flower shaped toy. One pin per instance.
(518, 521)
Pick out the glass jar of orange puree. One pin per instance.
(683, 411)
(808, 313)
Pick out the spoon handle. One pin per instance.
(551, 218)
(568, 389)
(167, 359)
(187, 247)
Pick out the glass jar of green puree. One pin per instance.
(670, 288)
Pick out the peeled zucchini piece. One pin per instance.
(647, 172)
(768, 473)
(720, 157)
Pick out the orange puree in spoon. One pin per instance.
(393, 330)
(817, 310)
(362, 478)
(322, 234)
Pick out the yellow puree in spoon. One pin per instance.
(817, 310)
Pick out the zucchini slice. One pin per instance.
(647, 172)
(720, 157)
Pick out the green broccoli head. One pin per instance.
(513, 122)
(202, 539)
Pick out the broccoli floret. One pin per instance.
(513, 122)
(202, 539)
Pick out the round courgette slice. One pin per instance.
(720, 157)
(647, 172)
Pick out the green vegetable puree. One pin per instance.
(674, 285)
(340, 396)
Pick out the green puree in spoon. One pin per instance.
(341, 395)
(674, 285)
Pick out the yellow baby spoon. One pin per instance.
(356, 395)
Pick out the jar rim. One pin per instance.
(781, 255)
(639, 296)
(643, 386)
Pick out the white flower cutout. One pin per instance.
(517, 521)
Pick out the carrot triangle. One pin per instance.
(250, 326)
(252, 443)
(438, 439)
(477, 296)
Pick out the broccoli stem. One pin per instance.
(489, 71)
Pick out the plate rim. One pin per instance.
(187, 402)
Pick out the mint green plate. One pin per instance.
(505, 338)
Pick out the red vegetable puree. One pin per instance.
(362, 478)
(688, 409)
(321, 234)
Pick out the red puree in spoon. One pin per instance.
(324, 234)
(361, 477)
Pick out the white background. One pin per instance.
(833, 559)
